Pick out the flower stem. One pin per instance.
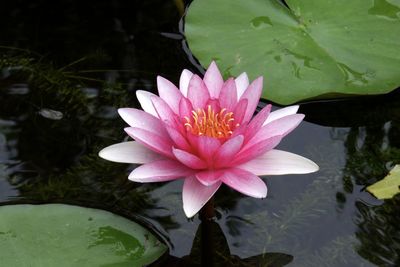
(207, 212)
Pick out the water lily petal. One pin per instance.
(207, 146)
(241, 130)
(225, 154)
(213, 80)
(171, 137)
(228, 95)
(195, 195)
(245, 182)
(278, 162)
(185, 108)
(277, 114)
(164, 112)
(281, 126)
(240, 111)
(252, 94)
(198, 92)
(257, 122)
(129, 152)
(189, 159)
(151, 140)
(159, 171)
(143, 120)
(178, 139)
(214, 104)
(242, 82)
(209, 177)
(144, 98)
(252, 151)
(186, 75)
(169, 93)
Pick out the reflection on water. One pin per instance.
(323, 219)
(378, 232)
(210, 248)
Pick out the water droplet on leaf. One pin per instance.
(261, 22)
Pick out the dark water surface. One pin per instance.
(66, 66)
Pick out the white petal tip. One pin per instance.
(122, 112)
(189, 213)
(134, 178)
(102, 154)
(309, 166)
(296, 108)
(243, 74)
(108, 153)
(313, 167)
(140, 93)
(160, 80)
(261, 194)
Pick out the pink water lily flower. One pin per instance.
(205, 133)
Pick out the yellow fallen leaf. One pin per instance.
(389, 186)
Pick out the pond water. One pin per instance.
(66, 67)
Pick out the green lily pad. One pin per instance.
(389, 186)
(313, 49)
(64, 235)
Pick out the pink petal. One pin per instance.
(184, 81)
(241, 130)
(144, 98)
(277, 114)
(225, 154)
(189, 159)
(143, 120)
(178, 139)
(198, 92)
(169, 93)
(228, 95)
(240, 111)
(278, 162)
(213, 80)
(159, 171)
(206, 147)
(185, 108)
(245, 182)
(151, 140)
(129, 152)
(252, 151)
(214, 104)
(209, 177)
(242, 82)
(281, 127)
(164, 112)
(252, 94)
(195, 195)
(257, 122)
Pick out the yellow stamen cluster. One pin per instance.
(210, 123)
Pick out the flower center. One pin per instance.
(210, 123)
